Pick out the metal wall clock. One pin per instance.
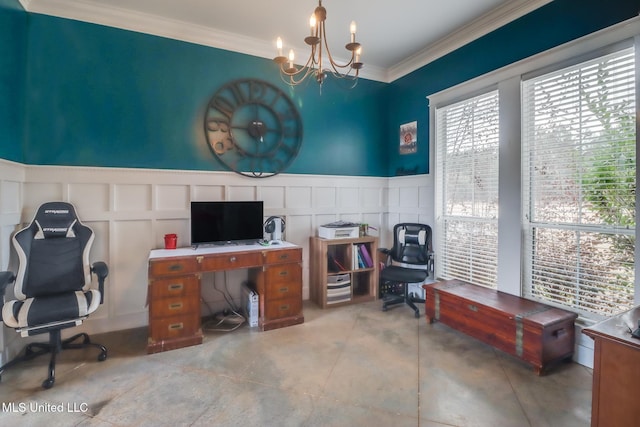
(253, 128)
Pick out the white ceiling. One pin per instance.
(397, 36)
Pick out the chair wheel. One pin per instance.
(417, 314)
(48, 383)
(102, 357)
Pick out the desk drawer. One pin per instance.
(174, 287)
(231, 261)
(174, 327)
(179, 306)
(175, 266)
(282, 256)
(283, 281)
(281, 308)
(284, 273)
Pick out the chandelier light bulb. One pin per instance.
(312, 23)
(291, 58)
(352, 30)
(279, 45)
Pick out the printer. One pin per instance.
(339, 230)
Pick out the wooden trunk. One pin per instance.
(536, 333)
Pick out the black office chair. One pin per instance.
(52, 287)
(409, 261)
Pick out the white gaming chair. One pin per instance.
(52, 287)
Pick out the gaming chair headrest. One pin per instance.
(55, 219)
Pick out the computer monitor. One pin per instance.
(225, 222)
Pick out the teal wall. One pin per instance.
(551, 25)
(13, 32)
(101, 96)
(90, 95)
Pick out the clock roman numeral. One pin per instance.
(224, 106)
(222, 146)
(238, 94)
(287, 115)
(217, 125)
(257, 91)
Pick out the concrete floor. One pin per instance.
(348, 366)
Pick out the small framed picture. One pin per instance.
(408, 138)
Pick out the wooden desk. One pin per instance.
(174, 288)
(616, 371)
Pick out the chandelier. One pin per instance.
(316, 64)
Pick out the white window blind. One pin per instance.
(467, 137)
(579, 180)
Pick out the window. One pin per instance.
(579, 182)
(467, 138)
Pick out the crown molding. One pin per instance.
(116, 17)
(112, 16)
(491, 21)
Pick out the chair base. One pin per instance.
(54, 346)
(404, 298)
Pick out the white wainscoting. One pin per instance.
(12, 178)
(131, 210)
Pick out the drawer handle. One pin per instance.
(284, 289)
(175, 286)
(232, 259)
(284, 256)
(284, 307)
(473, 307)
(175, 326)
(175, 267)
(284, 273)
(175, 306)
(560, 332)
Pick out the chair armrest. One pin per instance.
(386, 252)
(100, 269)
(431, 262)
(6, 277)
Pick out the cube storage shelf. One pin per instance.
(343, 271)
